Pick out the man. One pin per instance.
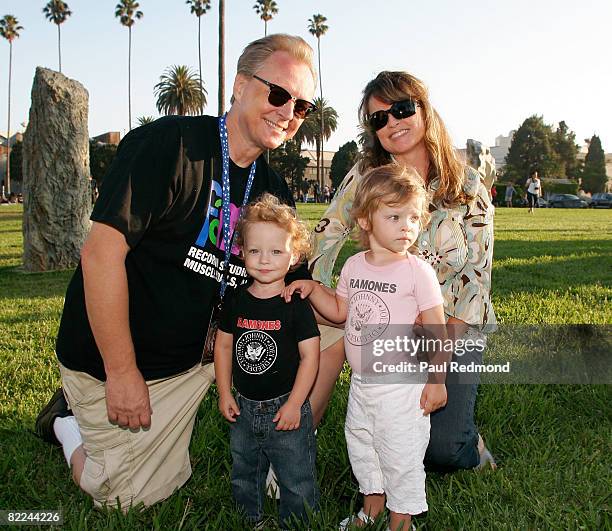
(509, 193)
(138, 307)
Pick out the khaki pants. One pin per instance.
(125, 467)
(329, 335)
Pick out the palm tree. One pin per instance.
(9, 29)
(144, 120)
(126, 11)
(57, 12)
(317, 126)
(199, 8)
(265, 9)
(317, 27)
(221, 57)
(178, 92)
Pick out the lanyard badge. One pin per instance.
(215, 316)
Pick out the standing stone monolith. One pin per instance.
(56, 188)
(480, 158)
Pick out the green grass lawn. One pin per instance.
(553, 442)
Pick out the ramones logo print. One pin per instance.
(368, 318)
(255, 352)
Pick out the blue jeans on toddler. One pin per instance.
(255, 444)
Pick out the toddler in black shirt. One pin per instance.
(272, 351)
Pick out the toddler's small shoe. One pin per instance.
(350, 520)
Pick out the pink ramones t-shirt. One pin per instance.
(379, 296)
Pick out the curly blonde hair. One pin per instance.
(267, 208)
(444, 163)
(390, 185)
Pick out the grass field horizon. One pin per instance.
(552, 442)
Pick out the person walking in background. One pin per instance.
(509, 193)
(326, 193)
(534, 190)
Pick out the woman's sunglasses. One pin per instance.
(400, 109)
(278, 96)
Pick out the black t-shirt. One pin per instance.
(163, 193)
(266, 334)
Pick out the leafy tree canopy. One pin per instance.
(594, 176)
(288, 161)
(100, 158)
(343, 161)
(532, 149)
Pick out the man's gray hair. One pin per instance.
(257, 52)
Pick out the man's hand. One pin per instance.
(228, 407)
(287, 417)
(433, 397)
(127, 400)
(305, 287)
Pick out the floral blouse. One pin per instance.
(458, 243)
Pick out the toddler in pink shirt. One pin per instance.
(381, 292)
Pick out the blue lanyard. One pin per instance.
(225, 207)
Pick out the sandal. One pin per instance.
(350, 520)
(486, 458)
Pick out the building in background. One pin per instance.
(111, 137)
(311, 169)
(500, 149)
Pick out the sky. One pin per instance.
(488, 64)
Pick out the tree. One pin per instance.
(144, 120)
(57, 11)
(594, 176)
(343, 161)
(126, 11)
(178, 92)
(266, 9)
(532, 149)
(199, 8)
(221, 57)
(100, 158)
(287, 160)
(564, 144)
(324, 121)
(317, 27)
(9, 29)
(16, 162)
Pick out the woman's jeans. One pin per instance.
(453, 440)
(255, 445)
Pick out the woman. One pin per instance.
(400, 125)
(534, 190)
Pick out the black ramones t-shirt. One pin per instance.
(265, 345)
(163, 193)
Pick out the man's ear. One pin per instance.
(364, 223)
(240, 82)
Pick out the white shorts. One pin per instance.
(387, 436)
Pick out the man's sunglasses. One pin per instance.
(278, 96)
(400, 109)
